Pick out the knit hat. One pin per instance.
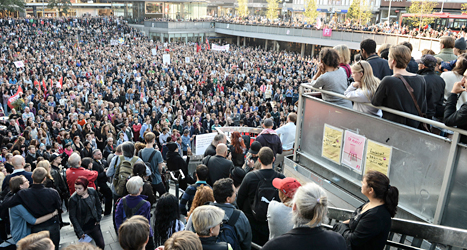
(460, 44)
(288, 185)
(172, 146)
(429, 61)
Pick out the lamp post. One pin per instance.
(442, 7)
(389, 13)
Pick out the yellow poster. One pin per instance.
(332, 143)
(378, 157)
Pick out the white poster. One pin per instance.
(19, 64)
(187, 59)
(165, 44)
(113, 42)
(166, 59)
(220, 48)
(202, 142)
(154, 52)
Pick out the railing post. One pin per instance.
(298, 131)
(445, 186)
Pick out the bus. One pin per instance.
(451, 21)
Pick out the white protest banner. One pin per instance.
(166, 59)
(220, 48)
(154, 52)
(113, 42)
(202, 142)
(19, 64)
(187, 59)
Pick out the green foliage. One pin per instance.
(242, 9)
(464, 8)
(12, 5)
(273, 5)
(359, 12)
(310, 11)
(62, 5)
(421, 8)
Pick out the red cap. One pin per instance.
(288, 185)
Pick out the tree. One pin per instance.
(11, 5)
(310, 11)
(464, 8)
(62, 5)
(273, 5)
(242, 8)
(421, 8)
(359, 11)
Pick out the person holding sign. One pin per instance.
(371, 222)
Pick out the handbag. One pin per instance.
(423, 125)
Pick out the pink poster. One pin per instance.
(352, 156)
(327, 32)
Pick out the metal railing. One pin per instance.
(427, 167)
(419, 232)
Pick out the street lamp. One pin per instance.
(389, 13)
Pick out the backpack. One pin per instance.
(148, 162)
(123, 171)
(127, 212)
(265, 193)
(227, 231)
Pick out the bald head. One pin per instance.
(18, 162)
(221, 149)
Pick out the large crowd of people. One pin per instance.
(93, 118)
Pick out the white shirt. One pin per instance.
(287, 135)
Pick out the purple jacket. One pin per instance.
(132, 201)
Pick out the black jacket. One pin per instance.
(219, 167)
(272, 141)
(99, 167)
(237, 159)
(60, 183)
(39, 201)
(456, 118)
(211, 243)
(412, 67)
(210, 150)
(380, 66)
(206, 127)
(79, 214)
(176, 162)
(305, 238)
(30, 159)
(434, 93)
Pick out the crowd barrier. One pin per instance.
(429, 170)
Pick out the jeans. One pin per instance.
(96, 234)
(52, 227)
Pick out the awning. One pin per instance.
(343, 11)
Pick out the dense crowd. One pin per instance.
(95, 117)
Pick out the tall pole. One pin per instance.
(442, 7)
(389, 13)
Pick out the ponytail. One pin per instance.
(383, 191)
(391, 200)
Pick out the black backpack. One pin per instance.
(127, 212)
(265, 193)
(227, 232)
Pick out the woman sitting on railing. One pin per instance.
(370, 224)
(363, 89)
(330, 78)
(309, 209)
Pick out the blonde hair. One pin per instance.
(45, 164)
(36, 241)
(383, 47)
(183, 240)
(206, 217)
(311, 205)
(401, 55)
(344, 53)
(82, 246)
(369, 83)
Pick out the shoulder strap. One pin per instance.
(152, 156)
(410, 89)
(125, 207)
(133, 160)
(234, 217)
(135, 209)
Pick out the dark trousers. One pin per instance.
(150, 245)
(260, 232)
(159, 188)
(96, 234)
(52, 227)
(107, 193)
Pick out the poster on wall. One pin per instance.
(378, 157)
(352, 155)
(332, 143)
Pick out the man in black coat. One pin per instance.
(211, 149)
(207, 124)
(100, 165)
(434, 87)
(269, 138)
(379, 65)
(219, 165)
